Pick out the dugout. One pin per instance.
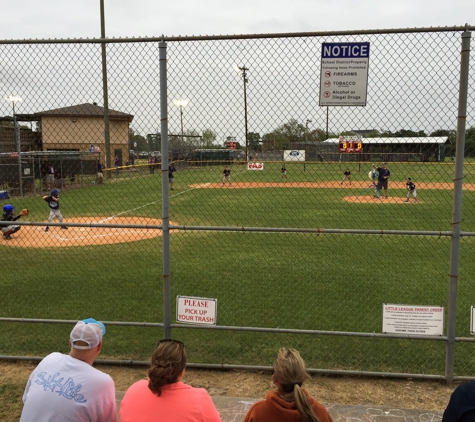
(71, 168)
(414, 149)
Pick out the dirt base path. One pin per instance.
(324, 185)
(36, 237)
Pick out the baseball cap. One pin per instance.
(89, 331)
(384, 164)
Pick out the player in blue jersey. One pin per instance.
(411, 190)
(54, 212)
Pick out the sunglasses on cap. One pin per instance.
(170, 340)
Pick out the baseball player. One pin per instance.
(346, 175)
(283, 172)
(226, 175)
(171, 177)
(411, 190)
(54, 212)
(9, 215)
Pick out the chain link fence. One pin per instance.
(296, 253)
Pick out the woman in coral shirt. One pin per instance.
(290, 402)
(163, 397)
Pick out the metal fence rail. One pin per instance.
(294, 252)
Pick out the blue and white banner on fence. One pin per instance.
(294, 155)
(344, 74)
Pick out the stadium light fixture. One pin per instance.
(182, 102)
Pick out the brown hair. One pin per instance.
(168, 362)
(290, 372)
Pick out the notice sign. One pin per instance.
(196, 310)
(472, 320)
(255, 166)
(344, 74)
(411, 319)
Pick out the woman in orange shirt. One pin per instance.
(163, 397)
(290, 402)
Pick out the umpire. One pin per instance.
(383, 176)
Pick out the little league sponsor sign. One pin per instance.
(255, 166)
(413, 319)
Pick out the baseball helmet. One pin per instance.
(55, 192)
(8, 209)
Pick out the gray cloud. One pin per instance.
(22, 19)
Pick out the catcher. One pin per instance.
(9, 215)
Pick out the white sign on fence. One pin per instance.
(344, 74)
(472, 320)
(294, 155)
(413, 319)
(255, 166)
(196, 310)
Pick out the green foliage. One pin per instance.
(136, 141)
(254, 141)
(208, 139)
(284, 136)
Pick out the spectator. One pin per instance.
(100, 174)
(290, 402)
(67, 387)
(164, 397)
(461, 407)
(153, 161)
(49, 176)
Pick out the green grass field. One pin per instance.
(304, 281)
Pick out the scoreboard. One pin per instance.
(347, 145)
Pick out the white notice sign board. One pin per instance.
(472, 320)
(196, 310)
(344, 74)
(413, 319)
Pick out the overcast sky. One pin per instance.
(22, 19)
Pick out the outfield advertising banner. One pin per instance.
(255, 166)
(344, 74)
(294, 155)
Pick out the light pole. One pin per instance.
(306, 125)
(181, 103)
(243, 71)
(15, 99)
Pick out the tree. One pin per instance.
(208, 138)
(406, 133)
(136, 141)
(290, 134)
(154, 142)
(254, 141)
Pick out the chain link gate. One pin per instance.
(300, 257)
